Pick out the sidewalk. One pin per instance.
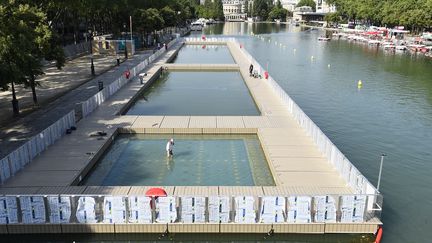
(52, 85)
(65, 89)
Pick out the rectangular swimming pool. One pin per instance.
(198, 160)
(204, 54)
(196, 94)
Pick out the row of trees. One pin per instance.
(211, 10)
(413, 14)
(31, 31)
(266, 10)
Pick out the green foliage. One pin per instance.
(277, 12)
(413, 14)
(211, 10)
(148, 20)
(261, 8)
(169, 16)
(332, 18)
(26, 38)
(310, 3)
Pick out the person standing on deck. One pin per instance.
(169, 148)
(251, 67)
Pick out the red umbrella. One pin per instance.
(156, 192)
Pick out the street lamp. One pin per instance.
(125, 43)
(92, 66)
(15, 106)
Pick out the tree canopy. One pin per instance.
(278, 12)
(262, 8)
(413, 14)
(310, 3)
(211, 10)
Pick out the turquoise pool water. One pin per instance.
(198, 160)
(204, 54)
(198, 94)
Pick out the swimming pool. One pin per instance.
(196, 93)
(198, 160)
(204, 54)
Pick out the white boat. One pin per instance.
(374, 42)
(323, 38)
(196, 26)
(388, 46)
(401, 48)
(277, 21)
(249, 20)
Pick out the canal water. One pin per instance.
(200, 93)
(198, 160)
(391, 113)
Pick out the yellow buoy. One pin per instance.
(359, 84)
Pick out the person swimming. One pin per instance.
(169, 147)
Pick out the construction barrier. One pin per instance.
(96, 100)
(216, 209)
(19, 158)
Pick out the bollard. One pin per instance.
(101, 86)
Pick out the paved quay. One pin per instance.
(75, 76)
(53, 84)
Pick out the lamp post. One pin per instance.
(15, 106)
(92, 66)
(125, 45)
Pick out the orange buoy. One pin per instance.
(379, 235)
(266, 75)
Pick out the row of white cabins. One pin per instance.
(234, 10)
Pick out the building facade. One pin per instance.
(321, 6)
(234, 10)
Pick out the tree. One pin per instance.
(260, 9)
(278, 12)
(247, 8)
(219, 10)
(332, 18)
(25, 39)
(149, 20)
(310, 3)
(169, 16)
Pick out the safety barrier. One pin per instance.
(16, 160)
(348, 171)
(208, 39)
(139, 209)
(96, 100)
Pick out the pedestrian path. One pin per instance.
(60, 92)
